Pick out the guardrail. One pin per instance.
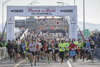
(18, 34)
(97, 52)
(23, 34)
(3, 54)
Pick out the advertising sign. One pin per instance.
(70, 11)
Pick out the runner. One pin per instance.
(9, 47)
(87, 48)
(16, 55)
(32, 50)
(40, 46)
(92, 49)
(42, 49)
(56, 51)
(45, 52)
(77, 49)
(36, 52)
(27, 49)
(23, 46)
(72, 48)
(61, 50)
(49, 51)
(21, 51)
(66, 49)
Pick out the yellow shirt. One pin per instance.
(26, 45)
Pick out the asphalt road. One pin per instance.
(42, 63)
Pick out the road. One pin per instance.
(42, 63)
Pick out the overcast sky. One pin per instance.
(92, 8)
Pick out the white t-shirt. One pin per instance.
(39, 44)
(18, 43)
(32, 49)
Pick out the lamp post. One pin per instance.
(3, 3)
(83, 14)
(62, 3)
(74, 2)
(35, 2)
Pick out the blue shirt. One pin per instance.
(23, 46)
(87, 45)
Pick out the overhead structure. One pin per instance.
(70, 11)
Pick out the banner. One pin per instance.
(70, 11)
(41, 10)
(73, 27)
(10, 28)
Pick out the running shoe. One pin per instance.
(28, 61)
(59, 58)
(27, 58)
(15, 60)
(49, 62)
(34, 64)
(61, 62)
(31, 64)
(50, 59)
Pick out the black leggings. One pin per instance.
(62, 56)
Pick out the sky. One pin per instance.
(92, 8)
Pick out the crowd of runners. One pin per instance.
(50, 49)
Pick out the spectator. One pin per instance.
(0, 44)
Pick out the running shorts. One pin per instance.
(56, 51)
(67, 51)
(87, 51)
(76, 51)
(42, 49)
(34, 53)
(72, 53)
(48, 51)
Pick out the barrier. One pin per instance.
(3, 54)
(97, 52)
(24, 33)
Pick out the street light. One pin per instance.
(35, 2)
(74, 2)
(83, 14)
(62, 3)
(3, 3)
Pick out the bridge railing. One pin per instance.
(23, 35)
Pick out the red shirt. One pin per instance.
(37, 48)
(45, 48)
(51, 41)
(72, 47)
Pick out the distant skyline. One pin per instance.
(92, 8)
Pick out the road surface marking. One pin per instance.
(69, 64)
(19, 63)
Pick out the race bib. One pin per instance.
(23, 46)
(92, 49)
(72, 49)
(62, 48)
(56, 48)
(13, 50)
(83, 48)
(49, 48)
